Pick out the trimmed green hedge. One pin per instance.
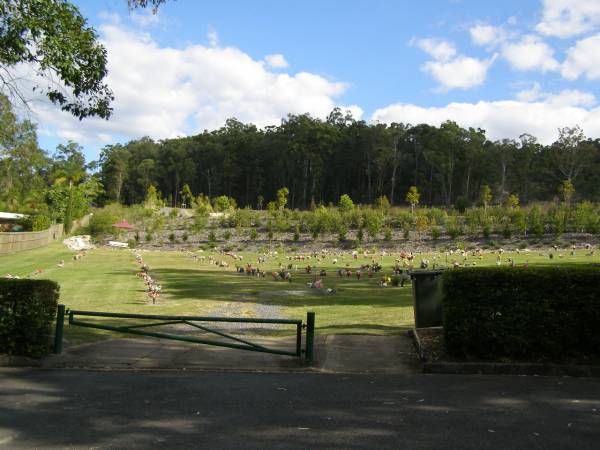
(27, 311)
(535, 313)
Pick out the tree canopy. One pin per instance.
(52, 38)
(318, 161)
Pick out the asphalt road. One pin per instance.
(49, 409)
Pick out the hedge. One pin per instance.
(27, 311)
(540, 313)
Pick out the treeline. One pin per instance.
(319, 160)
(55, 187)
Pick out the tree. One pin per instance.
(187, 198)
(412, 197)
(22, 163)
(145, 3)
(345, 203)
(282, 197)
(69, 164)
(566, 191)
(114, 159)
(383, 204)
(152, 198)
(53, 40)
(571, 153)
(485, 196)
(512, 201)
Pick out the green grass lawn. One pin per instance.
(105, 280)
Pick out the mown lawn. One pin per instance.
(105, 280)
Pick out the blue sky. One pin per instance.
(509, 67)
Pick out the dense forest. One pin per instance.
(320, 160)
(317, 162)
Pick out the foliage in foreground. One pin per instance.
(27, 311)
(535, 313)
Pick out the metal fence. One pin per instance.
(198, 323)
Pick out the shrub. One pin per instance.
(406, 231)
(185, 237)
(224, 203)
(387, 234)
(40, 223)
(148, 237)
(101, 222)
(296, 233)
(227, 235)
(345, 203)
(131, 243)
(172, 237)
(360, 235)
(253, 234)
(462, 203)
(435, 233)
(212, 237)
(454, 227)
(27, 311)
(535, 313)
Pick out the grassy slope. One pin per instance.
(105, 280)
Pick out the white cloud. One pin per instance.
(165, 92)
(568, 18)
(439, 49)
(487, 35)
(144, 19)
(501, 119)
(531, 53)
(572, 97)
(449, 69)
(582, 59)
(213, 38)
(567, 97)
(532, 94)
(276, 61)
(460, 73)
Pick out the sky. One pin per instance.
(509, 67)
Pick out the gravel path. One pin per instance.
(238, 309)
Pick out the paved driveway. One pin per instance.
(52, 409)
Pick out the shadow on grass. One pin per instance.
(233, 287)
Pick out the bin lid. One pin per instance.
(425, 272)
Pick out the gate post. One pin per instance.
(58, 333)
(310, 336)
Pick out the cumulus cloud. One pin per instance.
(533, 93)
(566, 97)
(582, 59)
(462, 72)
(450, 69)
(530, 53)
(276, 61)
(165, 92)
(487, 35)
(144, 19)
(439, 49)
(501, 119)
(568, 18)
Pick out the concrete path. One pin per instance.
(333, 354)
(72, 409)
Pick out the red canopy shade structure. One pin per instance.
(123, 225)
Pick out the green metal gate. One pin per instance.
(74, 318)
